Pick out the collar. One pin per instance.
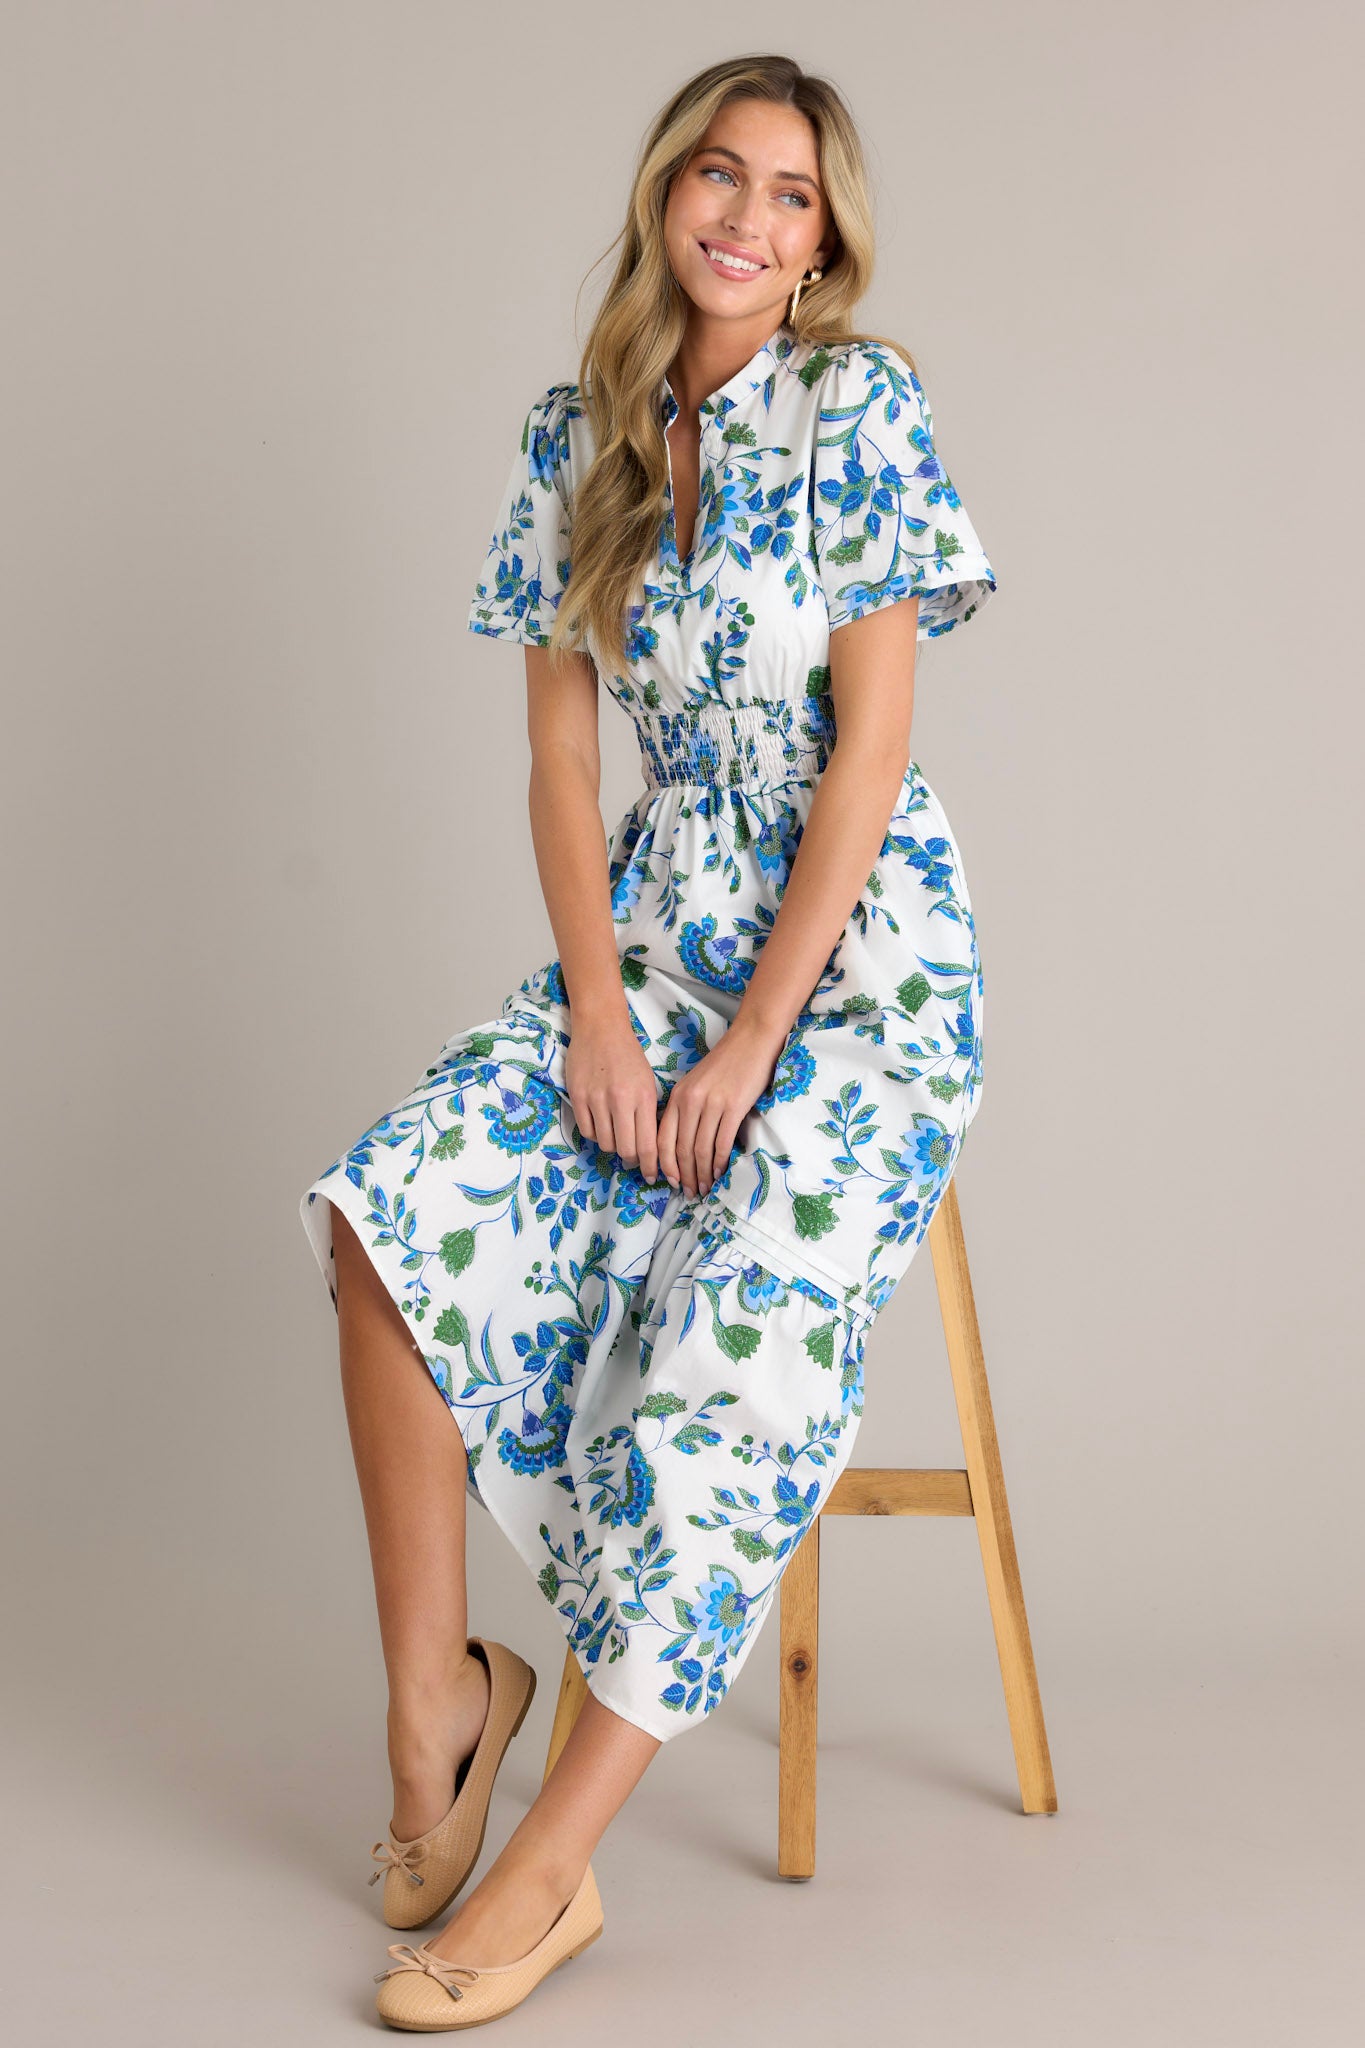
(742, 385)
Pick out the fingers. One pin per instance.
(684, 1138)
(668, 1141)
(691, 1140)
(696, 1139)
(689, 1144)
(614, 1094)
(617, 1119)
(726, 1135)
(624, 1122)
(583, 1117)
(704, 1145)
(592, 1114)
(647, 1138)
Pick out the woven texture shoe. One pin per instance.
(429, 1994)
(422, 1876)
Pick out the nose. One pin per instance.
(740, 221)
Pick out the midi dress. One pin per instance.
(657, 1391)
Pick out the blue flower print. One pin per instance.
(520, 1120)
(710, 959)
(793, 1075)
(539, 1444)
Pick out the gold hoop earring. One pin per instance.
(814, 278)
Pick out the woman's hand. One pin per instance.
(610, 1085)
(699, 1125)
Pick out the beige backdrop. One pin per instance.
(282, 280)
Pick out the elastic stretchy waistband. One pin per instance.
(744, 746)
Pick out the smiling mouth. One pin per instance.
(732, 266)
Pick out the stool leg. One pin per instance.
(798, 1593)
(573, 1690)
(986, 1478)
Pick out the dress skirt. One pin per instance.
(656, 1392)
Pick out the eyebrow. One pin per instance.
(793, 177)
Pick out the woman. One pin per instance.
(638, 1225)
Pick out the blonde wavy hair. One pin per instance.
(619, 504)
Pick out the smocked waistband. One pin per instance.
(729, 746)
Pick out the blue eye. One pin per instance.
(724, 171)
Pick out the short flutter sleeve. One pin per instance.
(887, 522)
(527, 564)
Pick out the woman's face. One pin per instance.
(751, 190)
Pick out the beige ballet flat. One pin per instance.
(429, 1994)
(422, 1876)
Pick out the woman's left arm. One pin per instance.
(872, 681)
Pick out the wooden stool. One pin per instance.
(978, 1490)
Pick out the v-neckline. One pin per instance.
(681, 566)
(714, 409)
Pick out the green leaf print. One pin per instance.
(913, 993)
(695, 1437)
(814, 367)
(814, 1214)
(820, 1344)
(661, 1404)
(457, 1250)
(736, 1340)
(452, 1330)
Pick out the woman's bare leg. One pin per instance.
(411, 1464)
(410, 1461)
(539, 1870)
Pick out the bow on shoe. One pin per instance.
(410, 1958)
(391, 1858)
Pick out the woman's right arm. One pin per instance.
(609, 1081)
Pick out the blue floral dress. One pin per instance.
(657, 1392)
